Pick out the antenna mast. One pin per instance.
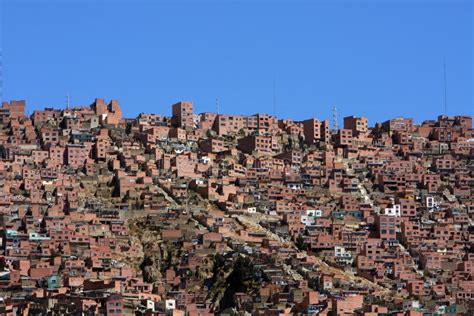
(334, 118)
(274, 97)
(67, 101)
(445, 90)
(217, 105)
(1, 76)
(1, 53)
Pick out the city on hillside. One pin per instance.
(216, 214)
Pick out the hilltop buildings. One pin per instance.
(196, 214)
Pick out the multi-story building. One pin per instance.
(183, 115)
(358, 125)
(315, 130)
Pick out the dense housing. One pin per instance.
(202, 214)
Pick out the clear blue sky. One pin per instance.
(375, 58)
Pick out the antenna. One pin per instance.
(67, 101)
(1, 53)
(217, 105)
(1, 76)
(445, 90)
(334, 118)
(274, 97)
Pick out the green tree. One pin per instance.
(301, 244)
(244, 278)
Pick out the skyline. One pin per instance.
(340, 119)
(373, 56)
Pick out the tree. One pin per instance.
(301, 244)
(244, 278)
(301, 142)
(290, 142)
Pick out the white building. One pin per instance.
(393, 211)
(310, 217)
(251, 210)
(342, 255)
(430, 202)
(170, 304)
(307, 220)
(314, 213)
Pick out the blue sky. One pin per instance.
(380, 59)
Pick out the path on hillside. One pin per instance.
(253, 223)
